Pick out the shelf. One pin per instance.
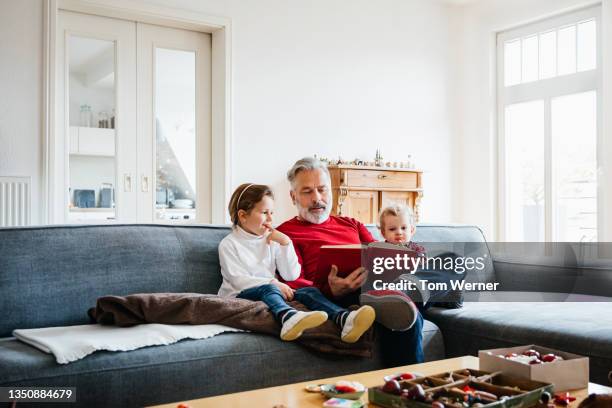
(91, 210)
(362, 188)
(353, 167)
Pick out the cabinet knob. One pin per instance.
(382, 176)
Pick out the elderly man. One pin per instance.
(313, 227)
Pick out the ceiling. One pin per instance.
(92, 60)
(460, 2)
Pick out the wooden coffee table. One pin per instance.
(294, 395)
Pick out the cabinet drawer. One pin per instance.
(381, 179)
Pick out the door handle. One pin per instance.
(144, 183)
(127, 182)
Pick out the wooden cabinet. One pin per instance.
(363, 205)
(397, 197)
(361, 192)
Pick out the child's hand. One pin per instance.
(286, 291)
(277, 236)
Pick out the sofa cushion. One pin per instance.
(50, 276)
(581, 328)
(189, 369)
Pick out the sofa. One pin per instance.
(50, 276)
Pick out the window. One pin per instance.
(548, 112)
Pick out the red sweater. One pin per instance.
(308, 238)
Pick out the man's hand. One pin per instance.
(343, 286)
(277, 236)
(286, 291)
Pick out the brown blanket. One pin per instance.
(194, 308)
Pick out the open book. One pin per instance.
(346, 257)
(350, 257)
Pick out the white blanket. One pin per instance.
(71, 343)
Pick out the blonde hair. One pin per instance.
(397, 211)
(245, 197)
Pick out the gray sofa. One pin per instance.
(50, 276)
(583, 328)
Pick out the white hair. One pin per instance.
(305, 164)
(309, 164)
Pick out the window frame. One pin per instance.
(546, 90)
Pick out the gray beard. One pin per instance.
(313, 219)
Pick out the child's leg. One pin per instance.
(292, 321)
(272, 297)
(353, 324)
(313, 299)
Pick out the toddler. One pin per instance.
(254, 251)
(397, 226)
(395, 309)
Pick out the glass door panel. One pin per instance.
(91, 118)
(574, 164)
(525, 193)
(175, 134)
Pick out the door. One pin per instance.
(174, 128)
(133, 122)
(95, 131)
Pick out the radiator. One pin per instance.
(14, 201)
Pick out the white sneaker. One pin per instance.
(357, 323)
(296, 324)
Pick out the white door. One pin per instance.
(95, 120)
(174, 125)
(133, 122)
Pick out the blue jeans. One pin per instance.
(310, 297)
(397, 348)
(402, 347)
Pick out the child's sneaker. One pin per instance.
(300, 321)
(394, 309)
(357, 322)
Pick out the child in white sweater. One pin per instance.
(254, 251)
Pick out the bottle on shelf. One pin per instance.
(103, 120)
(410, 162)
(86, 116)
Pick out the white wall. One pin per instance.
(477, 24)
(21, 93)
(340, 77)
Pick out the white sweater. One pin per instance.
(247, 261)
